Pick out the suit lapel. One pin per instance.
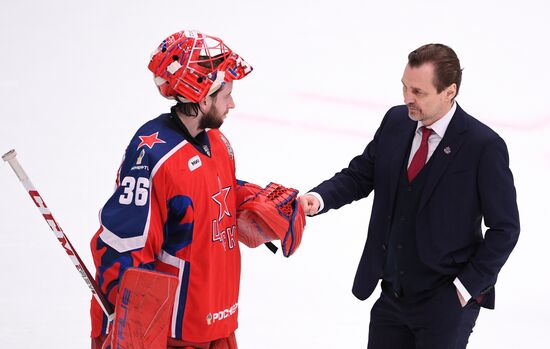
(444, 153)
(402, 144)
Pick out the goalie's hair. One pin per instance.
(190, 108)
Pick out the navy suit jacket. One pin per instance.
(469, 180)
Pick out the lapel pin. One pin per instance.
(447, 150)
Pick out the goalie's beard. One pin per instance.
(212, 119)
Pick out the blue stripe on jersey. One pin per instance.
(241, 182)
(178, 235)
(184, 284)
(108, 260)
(104, 323)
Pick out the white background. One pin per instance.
(74, 87)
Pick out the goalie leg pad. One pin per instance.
(97, 342)
(143, 310)
(229, 342)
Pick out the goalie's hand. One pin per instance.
(310, 204)
(270, 213)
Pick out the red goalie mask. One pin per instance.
(190, 65)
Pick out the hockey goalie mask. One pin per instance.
(190, 65)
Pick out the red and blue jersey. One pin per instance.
(174, 211)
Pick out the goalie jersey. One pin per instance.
(174, 211)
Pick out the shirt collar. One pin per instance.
(440, 126)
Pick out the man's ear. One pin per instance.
(204, 105)
(450, 92)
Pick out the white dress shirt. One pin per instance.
(439, 128)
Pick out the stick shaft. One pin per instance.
(10, 157)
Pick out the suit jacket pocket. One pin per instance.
(462, 256)
(459, 171)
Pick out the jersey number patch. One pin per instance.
(134, 191)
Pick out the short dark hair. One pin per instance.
(192, 108)
(445, 61)
(188, 109)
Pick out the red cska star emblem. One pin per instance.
(221, 199)
(150, 140)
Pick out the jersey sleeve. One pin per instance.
(130, 233)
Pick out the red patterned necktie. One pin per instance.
(419, 158)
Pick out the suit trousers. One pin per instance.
(435, 322)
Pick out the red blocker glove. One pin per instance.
(270, 213)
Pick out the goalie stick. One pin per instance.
(10, 157)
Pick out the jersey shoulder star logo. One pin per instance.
(150, 140)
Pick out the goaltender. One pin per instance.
(167, 253)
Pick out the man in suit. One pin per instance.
(437, 172)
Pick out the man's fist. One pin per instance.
(310, 204)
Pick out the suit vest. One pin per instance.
(404, 272)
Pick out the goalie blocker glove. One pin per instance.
(270, 213)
